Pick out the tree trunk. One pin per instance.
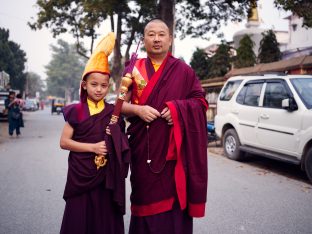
(166, 11)
(116, 71)
(127, 54)
(112, 22)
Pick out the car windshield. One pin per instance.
(303, 87)
(59, 102)
(29, 102)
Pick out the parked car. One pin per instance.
(3, 112)
(31, 104)
(267, 115)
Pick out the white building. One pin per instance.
(256, 33)
(4, 79)
(299, 40)
(295, 42)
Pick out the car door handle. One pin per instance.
(235, 112)
(264, 116)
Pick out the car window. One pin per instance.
(250, 94)
(303, 87)
(229, 90)
(275, 92)
(241, 95)
(3, 97)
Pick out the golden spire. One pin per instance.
(253, 12)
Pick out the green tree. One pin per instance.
(12, 60)
(245, 55)
(269, 50)
(201, 18)
(64, 71)
(200, 63)
(221, 61)
(5, 51)
(34, 84)
(302, 8)
(82, 19)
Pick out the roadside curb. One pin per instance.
(215, 148)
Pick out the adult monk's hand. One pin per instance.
(166, 114)
(148, 113)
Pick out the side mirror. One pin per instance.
(289, 104)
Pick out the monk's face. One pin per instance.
(97, 86)
(157, 39)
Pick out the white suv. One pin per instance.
(268, 115)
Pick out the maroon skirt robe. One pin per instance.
(177, 172)
(95, 199)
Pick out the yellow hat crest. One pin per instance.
(98, 61)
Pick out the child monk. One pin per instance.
(97, 163)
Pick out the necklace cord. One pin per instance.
(149, 161)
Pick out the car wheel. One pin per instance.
(231, 145)
(308, 164)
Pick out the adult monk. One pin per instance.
(168, 139)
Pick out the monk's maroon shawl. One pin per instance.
(82, 173)
(152, 192)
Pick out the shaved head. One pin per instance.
(159, 21)
(157, 39)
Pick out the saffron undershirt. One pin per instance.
(95, 108)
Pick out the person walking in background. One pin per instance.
(21, 105)
(12, 104)
(41, 104)
(168, 139)
(95, 186)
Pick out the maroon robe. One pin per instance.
(95, 199)
(178, 169)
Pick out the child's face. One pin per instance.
(97, 86)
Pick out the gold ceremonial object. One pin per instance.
(113, 120)
(100, 161)
(126, 81)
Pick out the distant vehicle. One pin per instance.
(267, 115)
(31, 104)
(57, 105)
(3, 96)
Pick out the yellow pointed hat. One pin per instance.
(98, 61)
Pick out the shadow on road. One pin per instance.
(3, 130)
(282, 168)
(266, 165)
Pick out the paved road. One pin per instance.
(259, 196)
